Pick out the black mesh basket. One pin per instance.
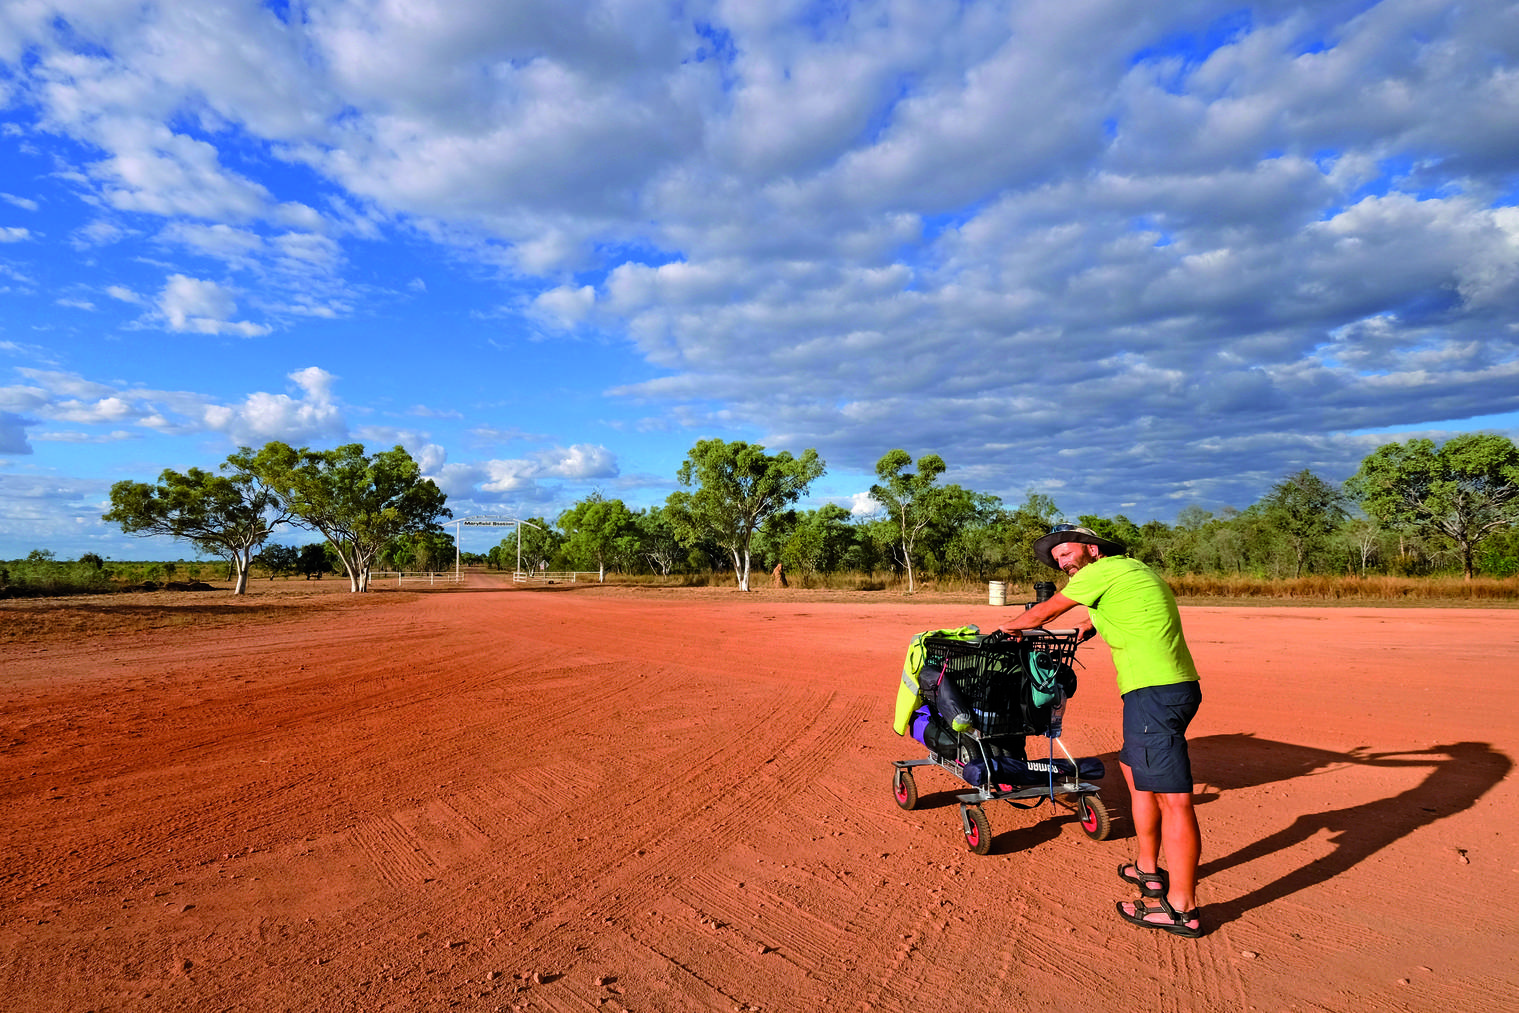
(994, 680)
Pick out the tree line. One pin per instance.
(1411, 508)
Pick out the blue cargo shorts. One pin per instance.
(1155, 720)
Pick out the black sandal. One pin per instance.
(1176, 926)
(1143, 879)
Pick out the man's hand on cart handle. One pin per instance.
(997, 636)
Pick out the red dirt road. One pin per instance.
(575, 799)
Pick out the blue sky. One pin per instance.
(1131, 256)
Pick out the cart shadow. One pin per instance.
(1460, 773)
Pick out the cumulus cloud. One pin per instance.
(311, 415)
(202, 307)
(537, 478)
(565, 307)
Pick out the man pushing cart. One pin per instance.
(977, 697)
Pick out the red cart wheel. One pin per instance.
(904, 788)
(978, 832)
(1093, 814)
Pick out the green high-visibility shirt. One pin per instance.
(1136, 614)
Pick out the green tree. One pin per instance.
(532, 545)
(1359, 540)
(736, 487)
(595, 532)
(964, 535)
(909, 499)
(418, 551)
(278, 559)
(1462, 491)
(1304, 510)
(226, 515)
(819, 541)
(356, 501)
(1018, 529)
(315, 560)
(657, 539)
(1500, 554)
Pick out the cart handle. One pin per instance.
(997, 636)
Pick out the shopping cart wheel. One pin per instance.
(904, 788)
(1093, 813)
(978, 832)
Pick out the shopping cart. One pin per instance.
(982, 699)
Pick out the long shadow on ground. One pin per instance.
(1459, 774)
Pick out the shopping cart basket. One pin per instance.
(983, 699)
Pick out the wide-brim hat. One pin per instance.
(1063, 533)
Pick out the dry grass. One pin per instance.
(1483, 590)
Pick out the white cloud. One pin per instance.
(313, 415)
(565, 307)
(14, 234)
(531, 479)
(115, 436)
(159, 172)
(862, 504)
(25, 203)
(99, 232)
(202, 307)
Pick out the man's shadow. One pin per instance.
(1459, 775)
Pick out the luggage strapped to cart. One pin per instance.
(980, 699)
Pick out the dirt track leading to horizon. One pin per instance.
(583, 798)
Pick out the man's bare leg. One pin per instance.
(1144, 810)
(1166, 820)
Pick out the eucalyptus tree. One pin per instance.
(357, 501)
(226, 515)
(534, 543)
(1018, 529)
(734, 488)
(1463, 490)
(596, 532)
(965, 534)
(910, 499)
(658, 542)
(278, 559)
(819, 541)
(1305, 510)
(316, 559)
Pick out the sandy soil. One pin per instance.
(576, 798)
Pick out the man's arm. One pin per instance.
(1041, 614)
